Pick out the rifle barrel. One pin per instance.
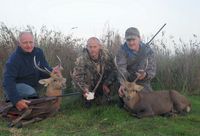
(69, 94)
(148, 43)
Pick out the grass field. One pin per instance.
(109, 120)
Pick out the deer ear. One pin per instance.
(44, 82)
(126, 83)
(138, 87)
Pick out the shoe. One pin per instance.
(88, 104)
(120, 103)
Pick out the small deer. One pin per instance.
(40, 108)
(145, 104)
(54, 84)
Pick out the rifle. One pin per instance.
(148, 43)
(67, 94)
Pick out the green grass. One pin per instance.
(108, 120)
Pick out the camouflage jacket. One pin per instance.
(129, 62)
(87, 72)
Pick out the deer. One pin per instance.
(54, 84)
(40, 108)
(151, 103)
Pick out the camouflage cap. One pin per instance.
(132, 33)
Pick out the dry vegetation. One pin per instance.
(177, 68)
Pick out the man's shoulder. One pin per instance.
(13, 58)
(81, 60)
(146, 48)
(107, 54)
(38, 50)
(122, 50)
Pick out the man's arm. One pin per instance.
(110, 71)
(79, 74)
(10, 76)
(151, 67)
(148, 64)
(121, 60)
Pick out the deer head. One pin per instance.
(55, 82)
(131, 88)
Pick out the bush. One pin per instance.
(177, 68)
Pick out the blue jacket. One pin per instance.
(20, 68)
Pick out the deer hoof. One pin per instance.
(19, 125)
(10, 125)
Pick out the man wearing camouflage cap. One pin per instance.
(94, 71)
(135, 58)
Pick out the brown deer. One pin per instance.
(145, 104)
(40, 108)
(54, 84)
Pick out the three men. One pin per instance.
(135, 58)
(94, 70)
(20, 76)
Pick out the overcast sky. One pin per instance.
(90, 16)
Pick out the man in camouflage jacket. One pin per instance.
(94, 70)
(135, 58)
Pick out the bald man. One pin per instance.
(20, 76)
(94, 66)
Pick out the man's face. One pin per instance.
(26, 42)
(134, 43)
(94, 49)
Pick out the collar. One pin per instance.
(21, 51)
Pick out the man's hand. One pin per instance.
(85, 92)
(88, 95)
(121, 91)
(56, 70)
(22, 104)
(142, 74)
(106, 89)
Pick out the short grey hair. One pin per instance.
(94, 39)
(24, 32)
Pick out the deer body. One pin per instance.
(52, 92)
(143, 104)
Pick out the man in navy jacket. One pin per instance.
(20, 75)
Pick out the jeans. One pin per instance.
(25, 91)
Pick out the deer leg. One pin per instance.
(148, 112)
(25, 114)
(21, 124)
(168, 114)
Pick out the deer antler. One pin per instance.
(136, 79)
(138, 75)
(99, 81)
(60, 63)
(147, 63)
(100, 78)
(71, 74)
(45, 70)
